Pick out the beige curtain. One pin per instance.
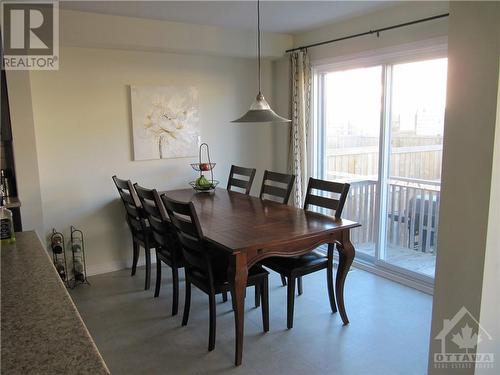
(301, 118)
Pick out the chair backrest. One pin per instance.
(131, 203)
(244, 183)
(277, 186)
(157, 217)
(185, 220)
(322, 200)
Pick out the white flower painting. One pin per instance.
(165, 122)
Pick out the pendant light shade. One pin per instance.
(260, 110)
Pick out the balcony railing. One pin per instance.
(412, 212)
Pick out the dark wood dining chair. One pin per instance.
(141, 233)
(241, 178)
(206, 267)
(277, 186)
(168, 250)
(294, 268)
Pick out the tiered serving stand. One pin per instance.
(204, 167)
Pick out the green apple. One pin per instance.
(202, 182)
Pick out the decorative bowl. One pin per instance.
(204, 189)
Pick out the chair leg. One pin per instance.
(135, 257)
(175, 285)
(290, 302)
(187, 303)
(147, 283)
(283, 280)
(331, 292)
(211, 336)
(233, 300)
(299, 285)
(257, 295)
(264, 288)
(158, 276)
(224, 296)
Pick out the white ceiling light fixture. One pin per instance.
(260, 110)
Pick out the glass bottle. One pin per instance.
(7, 234)
(3, 185)
(57, 244)
(61, 270)
(78, 259)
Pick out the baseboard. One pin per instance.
(118, 265)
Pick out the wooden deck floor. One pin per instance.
(413, 260)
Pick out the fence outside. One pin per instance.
(422, 162)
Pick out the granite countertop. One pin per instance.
(41, 329)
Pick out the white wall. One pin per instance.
(471, 110)
(281, 104)
(25, 155)
(490, 298)
(83, 135)
(83, 29)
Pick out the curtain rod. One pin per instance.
(376, 31)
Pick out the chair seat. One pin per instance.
(297, 265)
(254, 273)
(221, 281)
(140, 237)
(165, 255)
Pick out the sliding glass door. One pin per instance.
(413, 184)
(352, 140)
(381, 129)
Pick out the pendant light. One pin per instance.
(260, 110)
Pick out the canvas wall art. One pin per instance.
(165, 122)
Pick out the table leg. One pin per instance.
(238, 274)
(346, 256)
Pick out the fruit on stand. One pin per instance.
(203, 183)
(204, 166)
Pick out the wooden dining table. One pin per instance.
(249, 229)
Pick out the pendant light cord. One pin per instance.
(258, 36)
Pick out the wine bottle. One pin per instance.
(7, 234)
(78, 260)
(61, 270)
(57, 244)
(4, 184)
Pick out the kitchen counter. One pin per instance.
(42, 331)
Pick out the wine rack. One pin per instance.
(78, 258)
(59, 254)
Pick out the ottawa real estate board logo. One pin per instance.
(30, 35)
(459, 339)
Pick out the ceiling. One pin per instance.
(276, 16)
